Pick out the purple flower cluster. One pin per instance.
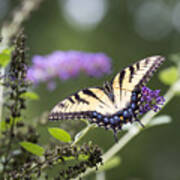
(150, 100)
(67, 64)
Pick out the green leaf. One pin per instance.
(83, 157)
(113, 162)
(32, 148)
(30, 95)
(2, 126)
(169, 75)
(160, 120)
(60, 134)
(5, 57)
(70, 158)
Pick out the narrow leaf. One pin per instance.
(2, 125)
(160, 120)
(112, 163)
(70, 158)
(30, 95)
(169, 75)
(60, 134)
(83, 157)
(32, 148)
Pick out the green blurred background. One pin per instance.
(126, 30)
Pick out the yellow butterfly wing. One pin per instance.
(80, 104)
(133, 78)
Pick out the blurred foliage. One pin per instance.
(60, 134)
(30, 95)
(169, 75)
(5, 57)
(151, 153)
(32, 148)
(20, 151)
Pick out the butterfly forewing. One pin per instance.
(133, 77)
(79, 104)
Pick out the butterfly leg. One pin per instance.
(115, 136)
(142, 125)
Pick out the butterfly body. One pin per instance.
(114, 104)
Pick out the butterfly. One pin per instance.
(115, 103)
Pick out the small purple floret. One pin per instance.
(68, 64)
(150, 100)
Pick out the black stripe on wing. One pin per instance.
(121, 77)
(107, 88)
(137, 67)
(79, 99)
(90, 93)
(131, 68)
(71, 100)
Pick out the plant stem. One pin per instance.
(9, 29)
(101, 175)
(134, 130)
(82, 133)
(2, 72)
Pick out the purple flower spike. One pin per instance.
(67, 64)
(150, 100)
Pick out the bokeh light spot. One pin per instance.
(4, 5)
(84, 14)
(153, 20)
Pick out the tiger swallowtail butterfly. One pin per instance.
(113, 104)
